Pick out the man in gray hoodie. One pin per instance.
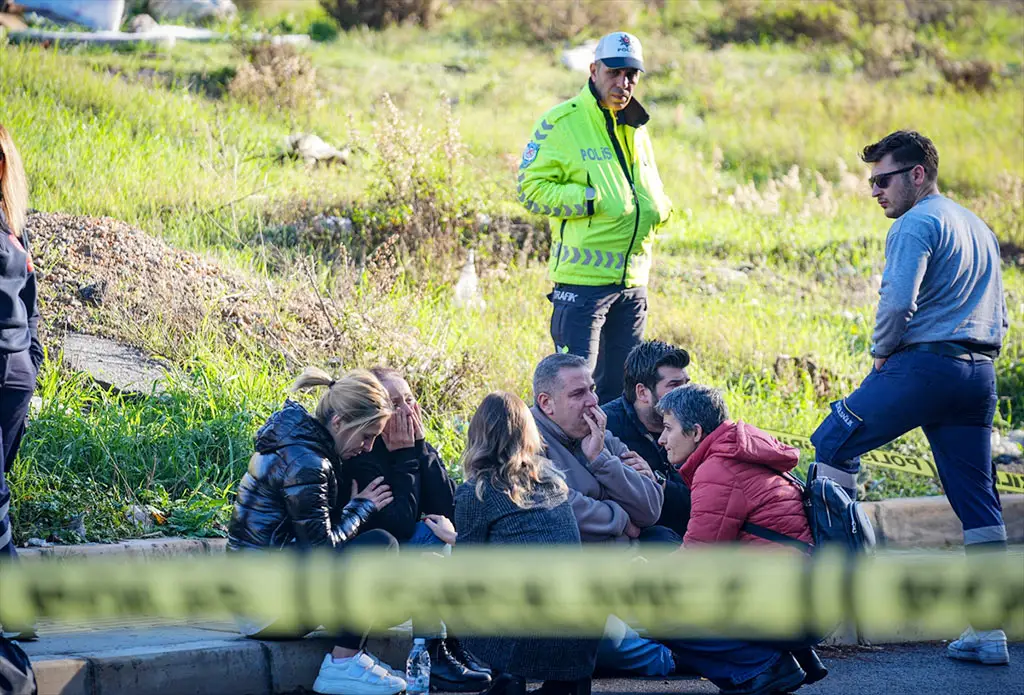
(613, 491)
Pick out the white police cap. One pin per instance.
(620, 50)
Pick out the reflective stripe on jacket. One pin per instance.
(578, 144)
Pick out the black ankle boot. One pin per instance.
(811, 663)
(465, 656)
(506, 684)
(783, 677)
(448, 674)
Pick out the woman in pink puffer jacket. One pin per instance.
(733, 469)
(735, 474)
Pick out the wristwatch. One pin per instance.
(590, 193)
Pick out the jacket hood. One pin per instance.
(548, 428)
(742, 443)
(292, 425)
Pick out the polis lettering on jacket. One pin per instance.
(595, 155)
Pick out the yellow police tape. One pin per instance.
(542, 591)
(1005, 480)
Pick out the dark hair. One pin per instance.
(907, 147)
(643, 363)
(695, 404)
(546, 375)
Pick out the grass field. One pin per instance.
(774, 251)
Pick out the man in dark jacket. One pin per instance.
(652, 369)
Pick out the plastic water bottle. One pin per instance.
(417, 669)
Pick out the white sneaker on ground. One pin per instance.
(358, 675)
(984, 646)
(394, 672)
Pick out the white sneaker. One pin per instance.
(394, 672)
(358, 675)
(986, 647)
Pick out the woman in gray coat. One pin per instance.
(514, 496)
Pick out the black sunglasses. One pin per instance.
(883, 180)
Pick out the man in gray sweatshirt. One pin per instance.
(941, 321)
(613, 492)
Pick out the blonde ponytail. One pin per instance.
(310, 378)
(357, 398)
(13, 186)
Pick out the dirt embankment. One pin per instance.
(99, 275)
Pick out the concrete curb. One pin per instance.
(929, 522)
(138, 548)
(232, 666)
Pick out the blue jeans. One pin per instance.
(659, 535)
(423, 536)
(726, 663)
(623, 650)
(953, 401)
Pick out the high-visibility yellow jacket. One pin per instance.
(576, 145)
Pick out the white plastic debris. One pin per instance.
(578, 59)
(467, 288)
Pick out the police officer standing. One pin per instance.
(941, 321)
(590, 167)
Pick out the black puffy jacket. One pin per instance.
(289, 494)
(418, 482)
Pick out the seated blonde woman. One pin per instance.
(514, 496)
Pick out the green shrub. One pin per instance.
(783, 20)
(323, 31)
(555, 20)
(378, 14)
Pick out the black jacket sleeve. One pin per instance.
(305, 492)
(437, 491)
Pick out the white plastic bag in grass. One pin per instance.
(102, 15)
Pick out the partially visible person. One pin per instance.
(424, 494)
(590, 166)
(288, 500)
(652, 369)
(21, 354)
(20, 351)
(613, 492)
(420, 515)
(513, 496)
(736, 475)
(940, 323)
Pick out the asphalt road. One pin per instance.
(912, 668)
